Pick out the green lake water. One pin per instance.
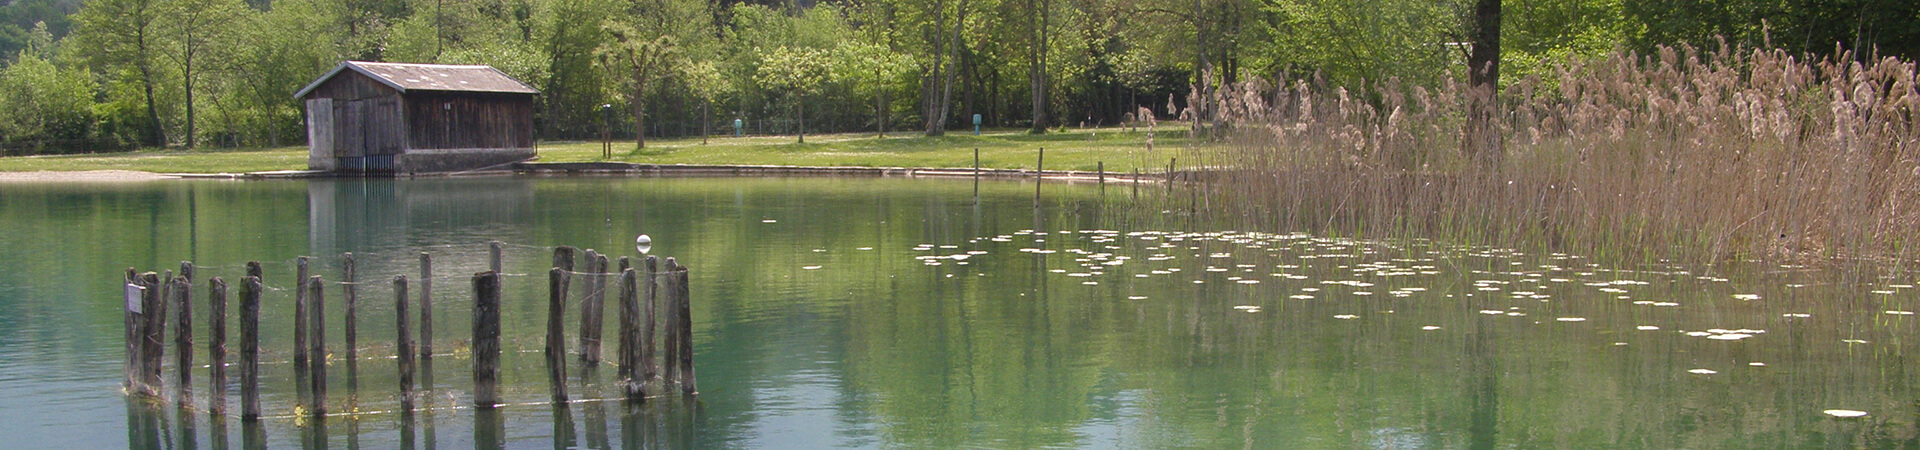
(866, 312)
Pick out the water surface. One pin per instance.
(864, 312)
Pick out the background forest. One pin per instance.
(98, 75)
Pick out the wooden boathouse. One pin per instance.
(390, 118)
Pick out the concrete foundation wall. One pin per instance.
(455, 160)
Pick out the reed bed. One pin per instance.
(1680, 155)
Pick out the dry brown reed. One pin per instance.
(1684, 155)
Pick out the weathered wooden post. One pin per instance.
(153, 348)
(556, 350)
(426, 310)
(349, 296)
(629, 332)
(250, 289)
(649, 304)
(590, 308)
(1100, 168)
(217, 346)
(317, 357)
(300, 323)
(486, 339)
(682, 297)
(404, 341)
(183, 338)
(495, 258)
(1039, 173)
(670, 323)
(131, 319)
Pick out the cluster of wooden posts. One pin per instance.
(654, 301)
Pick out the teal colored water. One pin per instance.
(861, 312)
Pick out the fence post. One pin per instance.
(132, 319)
(486, 339)
(300, 324)
(155, 347)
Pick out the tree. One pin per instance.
(704, 82)
(798, 72)
(871, 68)
(1038, 14)
(125, 34)
(192, 29)
(44, 102)
(1483, 78)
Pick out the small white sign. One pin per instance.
(133, 297)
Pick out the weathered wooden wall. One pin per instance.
(469, 120)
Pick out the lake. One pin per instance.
(884, 312)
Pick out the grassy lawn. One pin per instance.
(1120, 149)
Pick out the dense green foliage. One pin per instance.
(221, 72)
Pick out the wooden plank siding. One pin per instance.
(443, 120)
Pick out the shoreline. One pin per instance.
(598, 169)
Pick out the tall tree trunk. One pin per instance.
(186, 72)
(800, 114)
(639, 109)
(1203, 70)
(706, 120)
(1482, 136)
(157, 134)
(1037, 63)
(880, 109)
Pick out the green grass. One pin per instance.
(1120, 149)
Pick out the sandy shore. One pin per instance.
(90, 176)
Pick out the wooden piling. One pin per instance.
(403, 341)
(217, 346)
(683, 298)
(495, 260)
(1039, 173)
(300, 321)
(629, 331)
(670, 325)
(317, 357)
(153, 348)
(183, 339)
(426, 309)
(250, 289)
(349, 296)
(556, 350)
(131, 320)
(649, 303)
(486, 339)
(590, 308)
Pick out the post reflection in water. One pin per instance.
(563, 436)
(489, 429)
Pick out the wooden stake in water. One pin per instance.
(403, 341)
(556, 350)
(486, 339)
(649, 304)
(426, 308)
(130, 319)
(669, 325)
(183, 341)
(495, 260)
(682, 298)
(217, 346)
(317, 357)
(590, 308)
(629, 332)
(250, 289)
(1039, 172)
(300, 322)
(350, 298)
(156, 330)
